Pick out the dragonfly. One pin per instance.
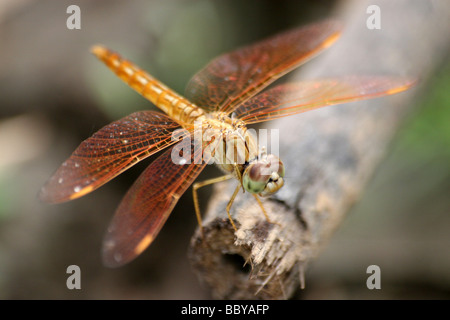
(222, 99)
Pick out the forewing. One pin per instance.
(234, 77)
(292, 98)
(113, 149)
(147, 205)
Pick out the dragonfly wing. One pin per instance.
(148, 204)
(292, 98)
(234, 77)
(113, 149)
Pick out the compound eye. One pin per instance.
(276, 165)
(265, 176)
(276, 180)
(253, 180)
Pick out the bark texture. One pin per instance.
(329, 156)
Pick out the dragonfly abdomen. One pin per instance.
(174, 105)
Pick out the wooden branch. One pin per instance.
(329, 155)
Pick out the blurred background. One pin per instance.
(54, 94)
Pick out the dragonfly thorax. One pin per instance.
(228, 143)
(235, 150)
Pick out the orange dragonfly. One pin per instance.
(221, 99)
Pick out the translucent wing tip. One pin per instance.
(44, 196)
(409, 82)
(56, 193)
(336, 26)
(118, 251)
(332, 23)
(50, 194)
(111, 257)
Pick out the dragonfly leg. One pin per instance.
(198, 185)
(263, 210)
(230, 203)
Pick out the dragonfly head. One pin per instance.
(264, 176)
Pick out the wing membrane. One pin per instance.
(292, 98)
(234, 77)
(148, 204)
(113, 149)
